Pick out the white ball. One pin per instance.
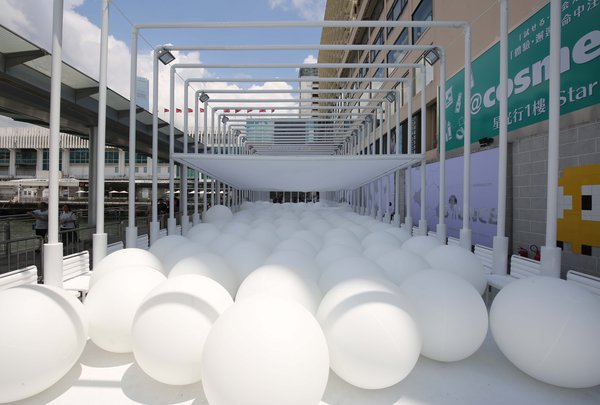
(399, 264)
(376, 251)
(125, 258)
(217, 213)
(236, 227)
(296, 261)
(171, 325)
(460, 262)
(222, 243)
(163, 246)
(341, 236)
(401, 234)
(283, 283)
(333, 253)
(203, 233)
(112, 302)
(381, 238)
(450, 313)
(181, 252)
(309, 236)
(264, 236)
(348, 268)
(208, 265)
(265, 351)
(549, 329)
(421, 245)
(373, 340)
(296, 244)
(245, 257)
(44, 331)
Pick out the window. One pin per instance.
(139, 158)
(4, 156)
(46, 159)
(145, 169)
(137, 169)
(79, 156)
(423, 12)
(111, 156)
(379, 73)
(377, 9)
(117, 169)
(378, 41)
(396, 56)
(395, 13)
(26, 157)
(429, 72)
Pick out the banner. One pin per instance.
(484, 196)
(528, 72)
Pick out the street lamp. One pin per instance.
(225, 119)
(204, 97)
(165, 56)
(390, 97)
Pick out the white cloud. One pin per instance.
(307, 9)
(310, 59)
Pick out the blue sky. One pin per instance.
(32, 19)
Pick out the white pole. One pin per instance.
(171, 222)
(423, 220)
(183, 196)
(196, 215)
(131, 231)
(53, 267)
(100, 238)
(550, 254)
(206, 140)
(465, 232)
(154, 224)
(408, 222)
(441, 229)
(500, 241)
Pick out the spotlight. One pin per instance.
(432, 56)
(165, 56)
(225, 119)
(204, 97)
(390, 97)
(369, 119)
(483, 142)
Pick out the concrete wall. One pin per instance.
(579, 146)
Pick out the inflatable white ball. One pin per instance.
(44, 332)
(181, 252)
(381, 238)
(309, 236)
(171, 325)
(460, 262)
(112, 302)
(203, 233)
(421, 245)
(450, 313)
(373, 340)
(208, 265)
(281, 282)
(217, 213)
(399, 264)
(163, 246)
(376, 251)
(245, 257)
(265, 351)
(236, 227)
(263, 236)
(296, 261)
(296, 244)
(350, 268)
(401, 234)
(125, 258)
(549, 329)
(222, 243)
(332, 253)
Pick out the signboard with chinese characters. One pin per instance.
(528, 72)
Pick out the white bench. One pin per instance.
(76, 273)
(15, 278)
(113, 247)
(453, 241)
(162, 232)
(486, 257)
(587, 281)
(520, 267)
(142, 242)
(178, 230)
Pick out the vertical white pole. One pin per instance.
(171, 222)
(206, 140)
(500, 241)
(465, 232)
(131, 231)
(154, 224)
(398, 147)
(441, 229)
(551, 254)
(183, 196)
(423, 220)
(196, 215)
(408, 222)
(100, 238)
(53, 268)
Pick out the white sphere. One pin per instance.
(309, 236)
(125, 258)
(181, 252)
(203, 233)
(450, 313)
(209, 265)
(236, 227)
(333, 253)
(263, 236)
(296, 244)
(318, 226)
(163, 246)
(460, 262)
(421, 245)
(265, 351)
(217, 213)
(381, 238)
(373, 340)
(376, 251)
(283, 283)
(222, 243)
(112, 302)
(549, 329)
(399, 264)
(44, 331)
(349, 268)
(245, 257)
(401, 234)
(341, 236)
(296, 261)
(171, 325)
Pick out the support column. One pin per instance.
(92, 177)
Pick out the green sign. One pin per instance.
(528, 72)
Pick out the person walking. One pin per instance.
(68, 223)
(41, 220)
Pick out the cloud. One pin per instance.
(306, 9)
(310, 59)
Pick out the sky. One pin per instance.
(32, 19)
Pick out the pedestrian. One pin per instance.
(68, 224)
(41, 219)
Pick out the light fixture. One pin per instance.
(368, 119)
(483, 142)
(432, 56)
(390, 97)
(165, 56)
(204, 97)
(225, 119)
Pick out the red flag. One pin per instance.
(272, 110)
(178, 110)
(227, 110)
(190, 110)
(237, 110)
(165, 110)
(201, 109)
(262, 110)
(249, 110)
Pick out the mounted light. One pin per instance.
(225, 119)
(368, 119)
(165, 56)
(390, 97)
(432, 56)
(204, 97)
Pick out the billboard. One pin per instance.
(528, 72)
(484, 195)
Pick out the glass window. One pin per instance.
(111, 156)
(79, 156)
(377, 9)
(396, 56)
(378, 41)
(139, 158)
(4, 156)
(46, 159)
(26, 157)
(116, 169)
(379, 73)
(423, 12)
(429, 72)
(395, 13)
